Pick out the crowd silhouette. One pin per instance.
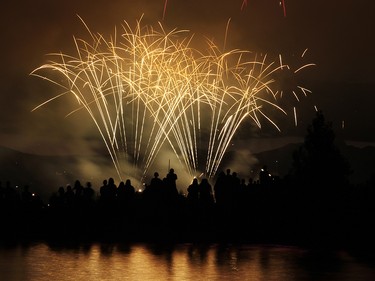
(300, 208)
(268, 209)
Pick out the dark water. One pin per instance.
(179, 262)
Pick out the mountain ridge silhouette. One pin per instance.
(44, 174)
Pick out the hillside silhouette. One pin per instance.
(360, 159)
(44, 173)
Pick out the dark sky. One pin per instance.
(337, 34)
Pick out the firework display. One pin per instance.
(146, 88)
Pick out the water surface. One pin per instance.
(41, 261)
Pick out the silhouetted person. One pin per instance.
(69, 196)
(193, 192)
(129, 188)
(57, 200)
(228, 175)
(170, 186)
(219, 189)
(121, 190)
(61, 191)
(204, 217)
(156, 182)
(112, 189)
(154, 192)
(243, 184)
(205, 193)
(78, 189)
(171, 179)
(78, 194)
(88, 193)
(104, 190)
(236, 187)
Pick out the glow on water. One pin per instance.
(178, 262)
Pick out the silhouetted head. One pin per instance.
(156, 174)
(61, 190)
(171, 171)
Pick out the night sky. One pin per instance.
(338, 36)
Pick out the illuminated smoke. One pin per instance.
(147, 88)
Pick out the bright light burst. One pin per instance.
(148, 88)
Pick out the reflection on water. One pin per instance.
(178, 262)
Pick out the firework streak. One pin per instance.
(148, 88)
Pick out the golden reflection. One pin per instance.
(178, 262)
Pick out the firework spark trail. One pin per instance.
(165, 8)
(244, 4)
(148, 87)
(284, 8)
(231, 115)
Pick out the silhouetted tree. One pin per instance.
(318, 161)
